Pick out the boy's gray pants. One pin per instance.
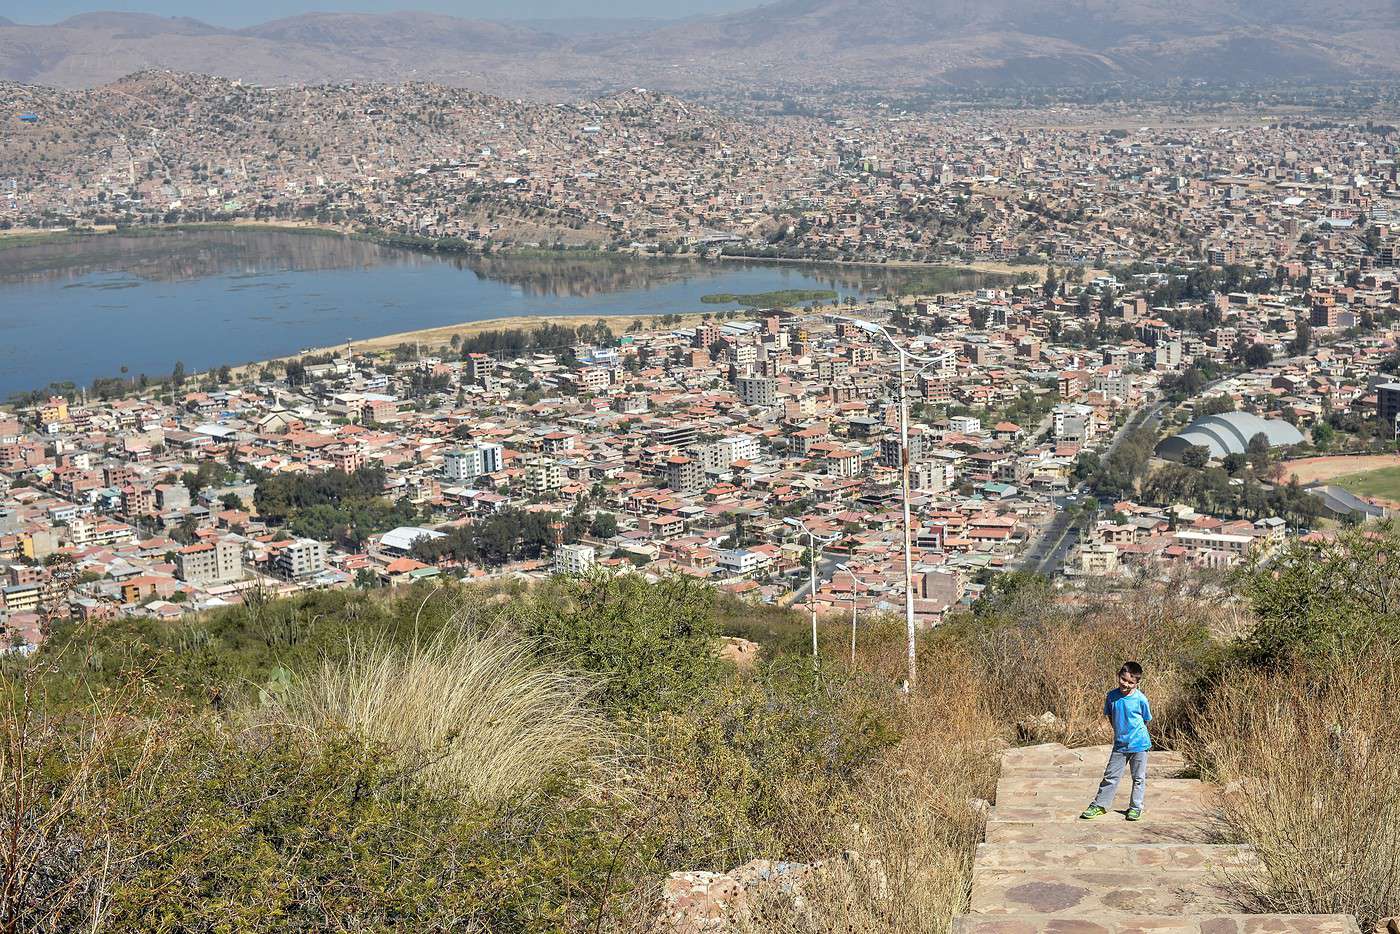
(1117, 761)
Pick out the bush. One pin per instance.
(1325, 597)
(177, 823)
(652, 645)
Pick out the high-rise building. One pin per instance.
(300, 559)
(462, 464)
(492, 457)
(210, 562)
(758, 390)
(1388, 404)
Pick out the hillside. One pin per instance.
(590, 755)
(788, 44)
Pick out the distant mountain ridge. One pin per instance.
(789, 43)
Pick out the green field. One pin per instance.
(778, 299)
(1384, 483)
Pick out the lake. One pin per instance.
(82, 308)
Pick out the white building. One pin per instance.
(462, 464)
(575, 559)
(741, 447)
(470, 463)
(301, 559)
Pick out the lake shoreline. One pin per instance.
(17, 237)
(277, 287)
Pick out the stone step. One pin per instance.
(1089, 771)
(1157, 924)
(1053, 757)
(1145, 856)
(1018, 792)
(1056, 812)
(1098, 892)
(1111, 828)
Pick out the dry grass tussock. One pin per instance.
(910, 826)
(1310, 761)
(478, 715)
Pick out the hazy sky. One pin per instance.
(247, 12)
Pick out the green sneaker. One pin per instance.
(1091, 812)
(1134, 814)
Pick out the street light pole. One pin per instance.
(909, 630)
(904, 356)
(812, 539)
(812, 593)
(852, 575)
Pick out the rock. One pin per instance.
(741, 652)
(698, 902)
(1047, 726)
(979, 805)
(1388, 926)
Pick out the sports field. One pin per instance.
(1311, 469)
(1381, 484)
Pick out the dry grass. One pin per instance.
(478, 715)
(1063, 661)
(1310, 762)
(909, 828)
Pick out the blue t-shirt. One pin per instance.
(1129, 713)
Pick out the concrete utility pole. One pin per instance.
(870, 327)
(842, 567)
(812, 539)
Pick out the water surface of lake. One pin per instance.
(75, 310)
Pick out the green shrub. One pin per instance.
(1324, 597)
(652, 645)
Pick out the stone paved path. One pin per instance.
(1043, 869)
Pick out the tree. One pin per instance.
(1323, 434)
(1257, 355)
(177, 375)
(1302, 339)
(604, 525)
(1195, 456)
(1258, 451)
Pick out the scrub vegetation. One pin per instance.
(540, 758)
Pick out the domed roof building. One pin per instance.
(1228, 433)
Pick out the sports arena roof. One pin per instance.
(402, 538)
(1228, 433)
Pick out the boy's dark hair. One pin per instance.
(1132, 668)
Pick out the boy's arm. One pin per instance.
(1108, 705)
(1146, 709)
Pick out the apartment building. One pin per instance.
(210, 562)
(300, 559)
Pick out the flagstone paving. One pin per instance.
(1043, 869)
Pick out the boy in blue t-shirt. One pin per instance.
(1129, 711)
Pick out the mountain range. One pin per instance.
(787, 45)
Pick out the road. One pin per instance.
(1046, 553)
